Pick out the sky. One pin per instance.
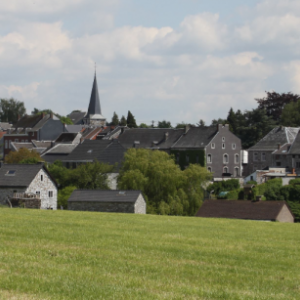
(174, 60)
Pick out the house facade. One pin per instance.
(29, 179)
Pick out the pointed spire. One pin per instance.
(94, 106)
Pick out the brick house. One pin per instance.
(23, 178)
(108, 201)
(247, 210)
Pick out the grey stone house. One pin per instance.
(215, 147)
(22, 178)
(247, 210)
(260, 156)
(108, 201)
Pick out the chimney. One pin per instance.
(51, 115)
(227, 126)
(219, 127)
(166, 135)
(43, 115)
(187, 128)
(278, 146)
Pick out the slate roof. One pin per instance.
(28, 121)
(196, 137)
(62, 148)
(77, 117)
(94, 106)
(74, 128)
(150, 137)
(295, 147)
(104, 196)
(239, 209)
(23, 176)
(105, 151)
(278, 135)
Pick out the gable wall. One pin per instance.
(140, 205)
(44, 187)
(285, 215)
(51, 130)
(217, 164)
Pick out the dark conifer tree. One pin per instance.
(115, 120)
(123, 121)
(131, 123)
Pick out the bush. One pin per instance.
(63, 196)
(223, 186)
(295, 208)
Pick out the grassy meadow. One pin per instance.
(85, 255)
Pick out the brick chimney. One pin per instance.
(187, 128)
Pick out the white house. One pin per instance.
(27, 178)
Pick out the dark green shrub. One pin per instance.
(295, 208)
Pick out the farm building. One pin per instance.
(108, 201)
(247, 210)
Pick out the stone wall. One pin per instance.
(26, 203)
(117, 207)
(140, 205)
(44, 187)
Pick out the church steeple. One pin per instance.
(94, 106)
(94, 116)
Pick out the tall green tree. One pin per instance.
(164, 124)
(115, 119)
(201, 123)
(291, 114)
(167, 189)
(232, 120)
(274, 103)
(123, 121)
(131, 123)
(12, 109)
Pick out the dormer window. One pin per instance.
(11, 173)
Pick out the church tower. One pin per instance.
(94, 116)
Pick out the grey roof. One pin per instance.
(74, 128)
(295, 147)
(196, 137)
(94, 106)
(4, 126)
(278, 135)
(105, 196)
(241, 209)
(105, 151)
(61, 149)
(155, 138)
(23, 176)
(284, 149)
(77, 117)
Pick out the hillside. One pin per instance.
(83, 255)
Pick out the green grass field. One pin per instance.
(82, 255)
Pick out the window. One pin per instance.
(197, 159)
(225, 159)
(298, 164)
(209, 158)
(16, 140)
(223, 146)
(263, 156)
(225, 170)
(236, 158)
(233, 146)
(187, 159)
(278, 163)
(255, 156)
(236, 172)
(38, 193)
(90, 151)
(209, 169)
(223, 139)
(42, 177)
(213, 145)
(10, 173)
(6, 144)
(9, 144)
(50, 194)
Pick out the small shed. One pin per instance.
(108, 201)
(247, 210)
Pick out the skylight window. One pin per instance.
(10, 173)
(90, 151)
